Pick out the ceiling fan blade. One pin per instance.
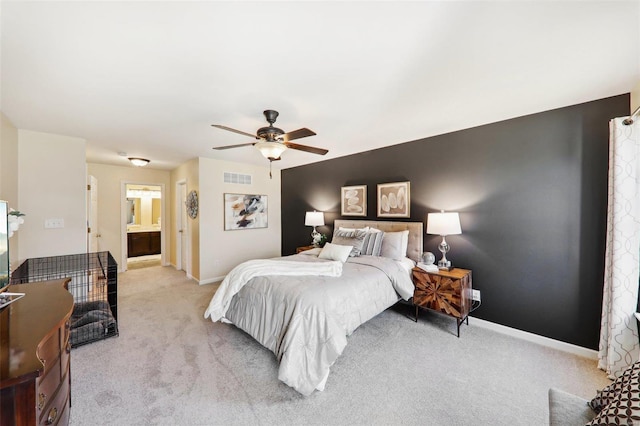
(306, 148)
(240, 132)
(234, 146)
(297, 134)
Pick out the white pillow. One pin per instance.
(394, 245)
(335, 252)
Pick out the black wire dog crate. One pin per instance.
(94, 286)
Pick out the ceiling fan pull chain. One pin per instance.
(270, 165)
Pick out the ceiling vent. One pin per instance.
(230, 177)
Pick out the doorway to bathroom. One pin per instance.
(143, 237)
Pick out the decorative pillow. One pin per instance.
(353, 238)
(624, 409)
(605, 396)
(372, 243)
(366, 228)
(335, 252)
(394, 245)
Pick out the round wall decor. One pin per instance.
(192, 204)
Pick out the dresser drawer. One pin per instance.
(58, 407)
(49, 351)
(47, 385)
(65, 333)
(64, 359)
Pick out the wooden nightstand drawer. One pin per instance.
(448, 292)
(304, 248)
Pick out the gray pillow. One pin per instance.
(354, 239)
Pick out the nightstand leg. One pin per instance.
(460, 322)
(416, 320)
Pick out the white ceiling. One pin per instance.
(149, 78)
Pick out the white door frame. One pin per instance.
(123, 221)
(182, 238)
(93, 243)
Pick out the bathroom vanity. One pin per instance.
(143, 242)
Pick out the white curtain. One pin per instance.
(619, 346)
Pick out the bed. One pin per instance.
(303, 307)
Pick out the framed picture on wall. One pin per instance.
(245, 211)
(394, 199)
(354, 200)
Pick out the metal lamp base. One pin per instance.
(444, 264)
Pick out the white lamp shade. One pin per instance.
(271, 150)
(443, 224)
(314, 219)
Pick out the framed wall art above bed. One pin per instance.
(245, 211)
(354, 200)
(394, 199)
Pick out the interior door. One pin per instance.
(182, 236)
(92, 214)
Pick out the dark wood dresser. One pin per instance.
(35, 355)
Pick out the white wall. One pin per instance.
(635, 97)
(222, 250)
(51, 184)
(110, 179)
(9, 177)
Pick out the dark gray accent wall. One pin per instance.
(532, 197)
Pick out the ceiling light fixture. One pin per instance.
(139, 162)
(271, 150)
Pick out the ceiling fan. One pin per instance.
(272, 142)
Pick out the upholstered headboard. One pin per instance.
(414, 248)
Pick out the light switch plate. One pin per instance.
(54, 223)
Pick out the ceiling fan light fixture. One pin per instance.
(271, 150)
(139, 162)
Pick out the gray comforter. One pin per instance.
(305, 320)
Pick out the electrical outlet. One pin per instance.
(475, 295)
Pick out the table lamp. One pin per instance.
(443, 224)
(314, 219)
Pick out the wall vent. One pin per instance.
(230, 177)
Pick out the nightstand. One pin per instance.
(304, 248)
(448, 292)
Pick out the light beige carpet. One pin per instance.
(170, 366)
(142, 263)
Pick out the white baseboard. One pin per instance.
(530, 337)
(211, 280)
